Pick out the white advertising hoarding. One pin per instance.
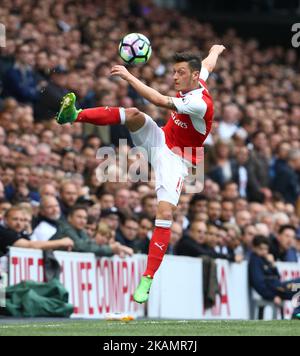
(100, 286)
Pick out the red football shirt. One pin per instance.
(188, 128)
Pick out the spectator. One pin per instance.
(280, 219)
(122, 198)
(149, 205)
(227, 211)
(11, 234)
(259, 162)
(282, 246)
(5, 158)
(243, 218)
(176, 236)
(214, 212)
(248, 234)
(42, 158)
(34, 180)
(143, 189)
(245, 177)
(198, 204)
(103, 234)
(19, 189)
(91, 226)
(223, 170)
(2, 136)
(51, 95)
(19, 81)
(280, 162)
(211, 245)
(265, 278)
(286, 180)
(4, 206)
(14, 221)
(28, 215)
(222, 240)
(1, 190)
(263, 229)
(128, 231)
(192, 244)
(257, 210)
(183, 208)
(144, 235)
(47, 223)
(298, 247)
(234, 244)
(48, 190)
(8, 174)
(228, 126)
(107, 201)
(230, 191)
(74, 229)
(68, 197)
(112, 218)
(135, 202)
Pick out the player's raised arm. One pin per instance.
(210, 61)
(142, 89)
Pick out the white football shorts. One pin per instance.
(170, 169)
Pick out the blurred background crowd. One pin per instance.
(50, 196)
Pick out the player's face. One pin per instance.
(184, 78)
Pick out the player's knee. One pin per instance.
(135, 119)
(132, 114)
(165, 215)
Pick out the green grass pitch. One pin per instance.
(149, 328)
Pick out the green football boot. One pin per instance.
(141, 294)
(68, 112)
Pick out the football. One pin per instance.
(135, 48)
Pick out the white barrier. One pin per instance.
(95, 286)
(233, 302)
(177, 289)
(106, 285)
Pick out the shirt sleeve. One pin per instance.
(204, 74)
(84, 244)
(189, 105)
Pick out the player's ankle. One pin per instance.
(148, 275)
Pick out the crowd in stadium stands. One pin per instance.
(50, 194)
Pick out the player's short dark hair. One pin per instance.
(194, 61)
(260, 240)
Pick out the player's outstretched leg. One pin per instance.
(100, 116)
(157, 249)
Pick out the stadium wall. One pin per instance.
(98, 287)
